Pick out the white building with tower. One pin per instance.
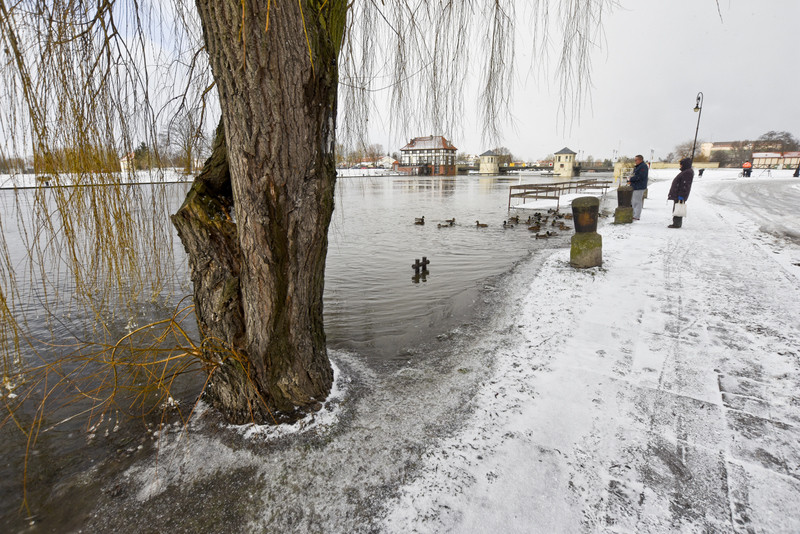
(489, 163)
(564, 163)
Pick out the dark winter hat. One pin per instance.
(686, 163)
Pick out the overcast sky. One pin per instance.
(656, 57)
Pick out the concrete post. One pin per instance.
(624, 212)
(587, 244)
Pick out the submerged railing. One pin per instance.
(555, 190)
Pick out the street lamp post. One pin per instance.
(698, 108)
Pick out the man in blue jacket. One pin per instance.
(639, 183)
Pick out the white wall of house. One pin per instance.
(563, 165)
(489, 165)
(775, 160)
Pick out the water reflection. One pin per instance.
(423, 276)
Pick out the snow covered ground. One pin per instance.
(658, 393)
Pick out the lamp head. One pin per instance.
(698, 105)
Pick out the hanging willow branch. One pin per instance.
(86, 254)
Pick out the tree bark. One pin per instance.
(256, 233)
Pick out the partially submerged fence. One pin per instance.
(555, 190)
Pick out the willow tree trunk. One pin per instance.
(255, 224)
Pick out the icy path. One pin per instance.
(658, 393)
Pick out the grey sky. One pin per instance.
(656, 57)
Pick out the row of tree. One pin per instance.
(182, 145)
(186, 155)
(350, 157)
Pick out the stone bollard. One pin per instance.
(624, 212)
(587, 244)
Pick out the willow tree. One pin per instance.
(255, 222)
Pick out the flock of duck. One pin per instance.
(534, 223)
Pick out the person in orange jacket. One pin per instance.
(747, 168)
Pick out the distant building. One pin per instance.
(431, 155)
(708, 149)
(776, 160)
(386, 162)
(564, 164)
(791, 159)
(727, 152)
(126, 162)
(490, 163)
(705, 149)
(468, 159)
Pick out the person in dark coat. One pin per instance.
(681, 186)
(639, 183)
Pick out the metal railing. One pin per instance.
(555, 190)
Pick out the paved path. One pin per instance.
(660, 393)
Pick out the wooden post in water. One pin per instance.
(420, 269)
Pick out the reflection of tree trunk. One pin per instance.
(257, 235)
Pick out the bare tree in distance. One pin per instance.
(684, 150)
(774, 141)
(185, 133)
(505, 157)
(373, 152)
(739, 152)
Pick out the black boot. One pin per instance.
(676, 222)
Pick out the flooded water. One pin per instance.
(372, 305)
(408, 353)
